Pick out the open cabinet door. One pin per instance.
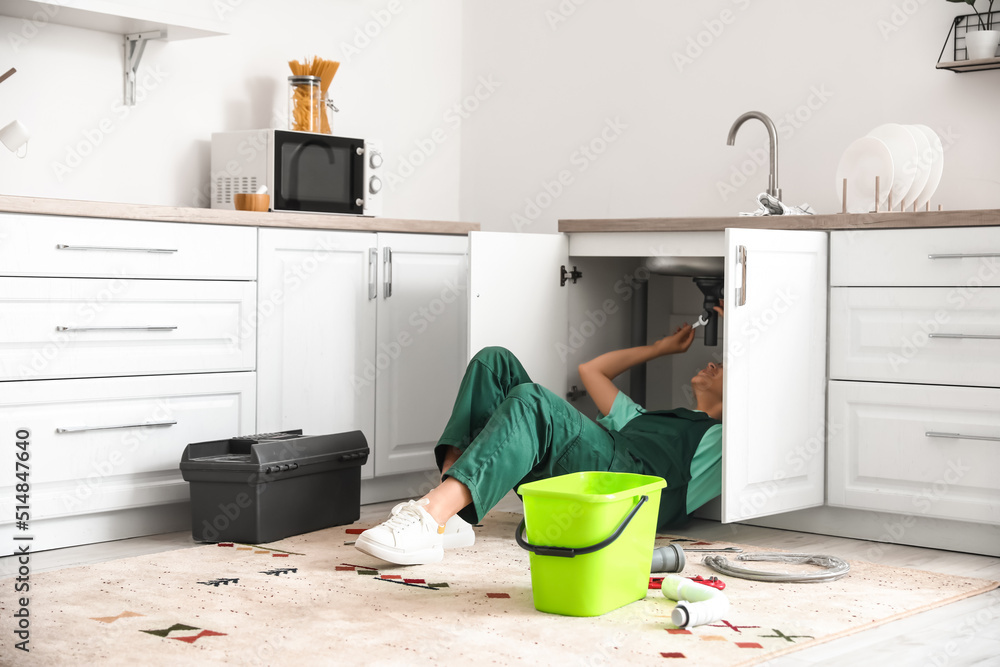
(774, 399)
(516, 301)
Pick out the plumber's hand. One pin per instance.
(720, 308)
(679, 342)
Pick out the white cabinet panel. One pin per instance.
(422, 346)
(930, 335)
(774, 404)
(98, 445)
(515, 300)
(317, 364)
(956, 256)
(59, 327)
(63, 246)
(914, 449)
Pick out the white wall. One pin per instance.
(484, 105)
(568, 68)
(87, 145)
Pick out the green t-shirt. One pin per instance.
(706, 466)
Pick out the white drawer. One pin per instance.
(915, 335)
(72, 327)
(103, 444)
(882, 453)
(39, 245)
(963, 257)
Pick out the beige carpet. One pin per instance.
(312, 599)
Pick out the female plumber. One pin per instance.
(506, 430)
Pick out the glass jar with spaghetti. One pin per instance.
(305, 102)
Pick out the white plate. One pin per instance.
(920, 166)
(863, 160)
(936, 159)
(903, 149)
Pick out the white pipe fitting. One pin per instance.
(697, 604)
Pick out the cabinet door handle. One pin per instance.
(80, 429)
(61, 246)
(387, 260)
(965, 255)
(115, 328)
(954, 335)
(372, 273)
(741, 260)
(936, 434)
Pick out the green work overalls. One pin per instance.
(512, 431)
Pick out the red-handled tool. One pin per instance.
(714, 582)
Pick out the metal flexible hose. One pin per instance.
(834, 568)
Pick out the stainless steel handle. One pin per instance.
(61, 246)
(965, 255)
(954, 335)
(80, 429)
(387, 260)
(115, 328)
(741, 260)
(372, 273)
(937, 434)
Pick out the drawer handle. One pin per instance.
(965, 255)
(80, 429)
(62, 246)
(978, 336)
(372, 273)
(935, 434)
(387, 277)
(116, 328)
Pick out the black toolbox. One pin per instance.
(265, 487)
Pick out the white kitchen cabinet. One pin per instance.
(66, 327)
(101, 448)
(363, 331)
(774, 343)
(422, 346)
(316, 328)
(911, 449)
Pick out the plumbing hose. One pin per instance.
(697, 604)
(835, 568)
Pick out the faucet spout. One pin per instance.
(772, 135)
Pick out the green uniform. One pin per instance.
(512, 431)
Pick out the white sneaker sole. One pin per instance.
(466, 538)
(400, 556)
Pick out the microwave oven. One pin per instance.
(304, 172)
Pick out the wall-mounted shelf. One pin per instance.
(136, 24)
(115, 17)
(956, 39)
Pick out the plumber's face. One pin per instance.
(709, 380)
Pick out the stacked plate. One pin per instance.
(907, 159)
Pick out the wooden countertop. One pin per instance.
(92, 209)
(973, 218)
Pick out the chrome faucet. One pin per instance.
(772, 135)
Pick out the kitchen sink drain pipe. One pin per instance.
(697, 604)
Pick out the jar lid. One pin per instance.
(304, 79)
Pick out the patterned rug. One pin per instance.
(315, 599)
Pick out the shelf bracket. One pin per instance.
(135, 45)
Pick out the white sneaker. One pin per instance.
(410, 536)
(457, 532)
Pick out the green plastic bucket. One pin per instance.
(591, 536)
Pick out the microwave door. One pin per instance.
(316, 174)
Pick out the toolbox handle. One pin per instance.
(570, 552)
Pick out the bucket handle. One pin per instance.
(570, 552)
